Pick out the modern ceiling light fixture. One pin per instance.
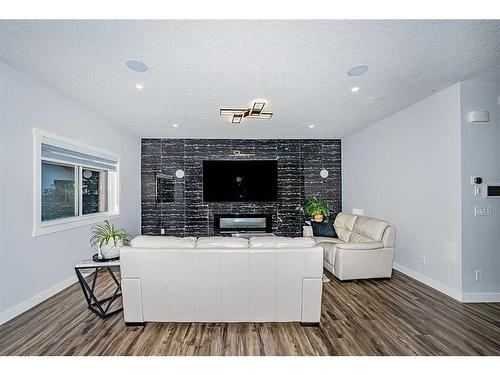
(237, 117)
(139, 86)
(311, 126)
(238, 114)
(355, 89)
(257, 109)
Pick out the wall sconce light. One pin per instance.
(179, 173)
(324, 173)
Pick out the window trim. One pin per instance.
(114, 187)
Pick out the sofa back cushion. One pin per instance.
(369, 228)
(343, 225)
(353, 228)
(264, 242)
(389, 238)
(221, 242)
(163, 242)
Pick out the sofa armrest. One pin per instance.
(360, 245)
(307, 231)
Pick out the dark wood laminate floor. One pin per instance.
(399, 316)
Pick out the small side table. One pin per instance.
(94, 304)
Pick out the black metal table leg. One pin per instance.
(93, 303)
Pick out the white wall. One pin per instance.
(480, 157)
(406, 169)
(32, 268)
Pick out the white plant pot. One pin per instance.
(110, 250)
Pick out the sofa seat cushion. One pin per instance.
(281, 242)
(360, 245)
(359, 238)
(327, 240)
(163, 242)
(221, 242)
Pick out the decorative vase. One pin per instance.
(318, 218)
(110, 250)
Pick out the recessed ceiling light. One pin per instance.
(357, 70)
(137, 66)
(355, 89)
(310, 126)
(175, 125)
(139, 86)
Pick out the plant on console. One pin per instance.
(317, 208)
(108, 240)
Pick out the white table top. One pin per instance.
(89, 263)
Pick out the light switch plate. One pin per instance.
(482, 211)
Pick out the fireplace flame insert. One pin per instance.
(243, 223)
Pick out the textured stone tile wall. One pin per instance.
(299, 164)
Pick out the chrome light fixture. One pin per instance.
(255, 112)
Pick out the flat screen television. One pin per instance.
(240, 180)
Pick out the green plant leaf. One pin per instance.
(103, 233)
(316, 206)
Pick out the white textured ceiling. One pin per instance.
(195, 67)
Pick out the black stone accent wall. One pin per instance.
(299, 165)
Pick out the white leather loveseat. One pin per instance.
(221, 279)
(364, 248)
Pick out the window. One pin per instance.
(94, 191)
(74, 184)
(59, 191)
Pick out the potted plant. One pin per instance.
(317, 208)
(108, 240)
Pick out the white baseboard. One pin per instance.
(453, 293)
(480, 297)
(33, 301)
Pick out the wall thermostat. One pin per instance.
(476, 180)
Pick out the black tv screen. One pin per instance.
(240, 180)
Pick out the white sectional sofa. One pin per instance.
(364, 248)
(221, 279)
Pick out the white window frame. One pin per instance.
(45, 227)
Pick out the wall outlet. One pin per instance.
(421, 259)
(482, 211)
(162, 231)
(479, 275)
(358, 211)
